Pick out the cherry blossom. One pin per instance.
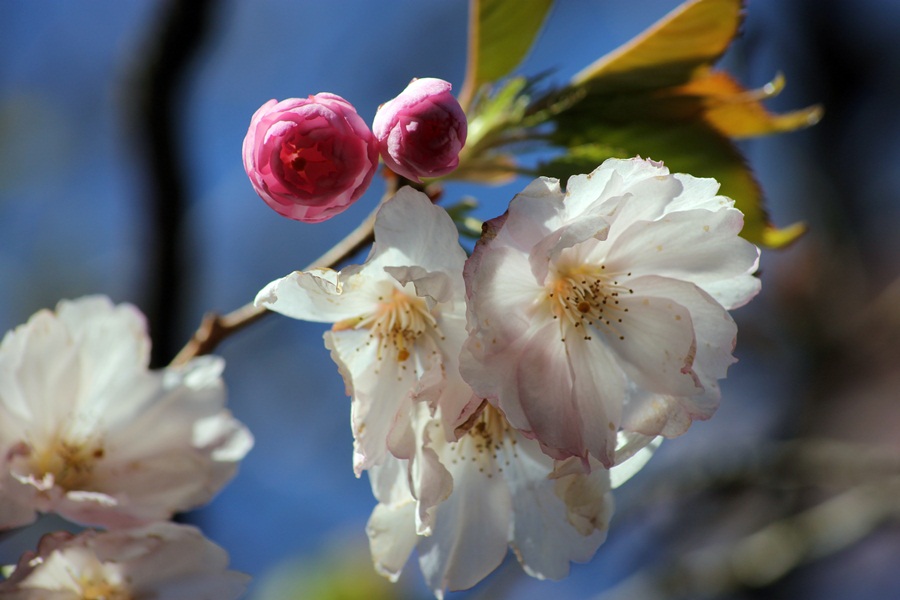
(506, 494)
(162, 560)
(399, 325)
(88, 432)
(604, 308)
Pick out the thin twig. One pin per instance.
(215, 328)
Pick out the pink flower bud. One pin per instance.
(421, 131)
(309, 158)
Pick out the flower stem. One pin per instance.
(215, 328)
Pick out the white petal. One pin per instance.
(411, 230)
(633, 452)
(548, 513)
(698, 246)
(392, 537)
(380, 388)
(319, 295)
(469, 538)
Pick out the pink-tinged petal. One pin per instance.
(40, 373)
(698, 193)
(608, 182)
(319, 295)
(551, 247)
(715, 331)
(645, 200)
(502, 496)
(420, 478)
(599, 387)
(587, 269)
(502, 295)
(533, 214)
(655, 342)
(546, 394)
(429, 480)
(699, 246)
(433, 286)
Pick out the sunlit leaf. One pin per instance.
(500, 34)
(669, 53)
(739, 113)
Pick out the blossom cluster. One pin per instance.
(311, 158)
(88, 432)
(497, 399)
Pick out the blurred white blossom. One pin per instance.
(88, 432)
(163, 560)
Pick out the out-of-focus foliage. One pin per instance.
(345, 573)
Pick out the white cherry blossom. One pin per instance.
(604, 308)
(88, 432)
(162, 560)
(506, 494)
(399, 325)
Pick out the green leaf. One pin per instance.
(694, 148)
(501, 33)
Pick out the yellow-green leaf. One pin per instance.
(668, 53)
(737, 112)
(500, 34)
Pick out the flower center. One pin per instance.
(70, 464)
(313, 165)
(396, 324)
(586, 297)
(101, 589)
(490, 443)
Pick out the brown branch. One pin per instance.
(215, 328)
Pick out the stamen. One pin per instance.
(587, 297)
(396, 324)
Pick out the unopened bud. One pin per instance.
(421, 132)
(309, 158)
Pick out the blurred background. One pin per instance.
(789, 492)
